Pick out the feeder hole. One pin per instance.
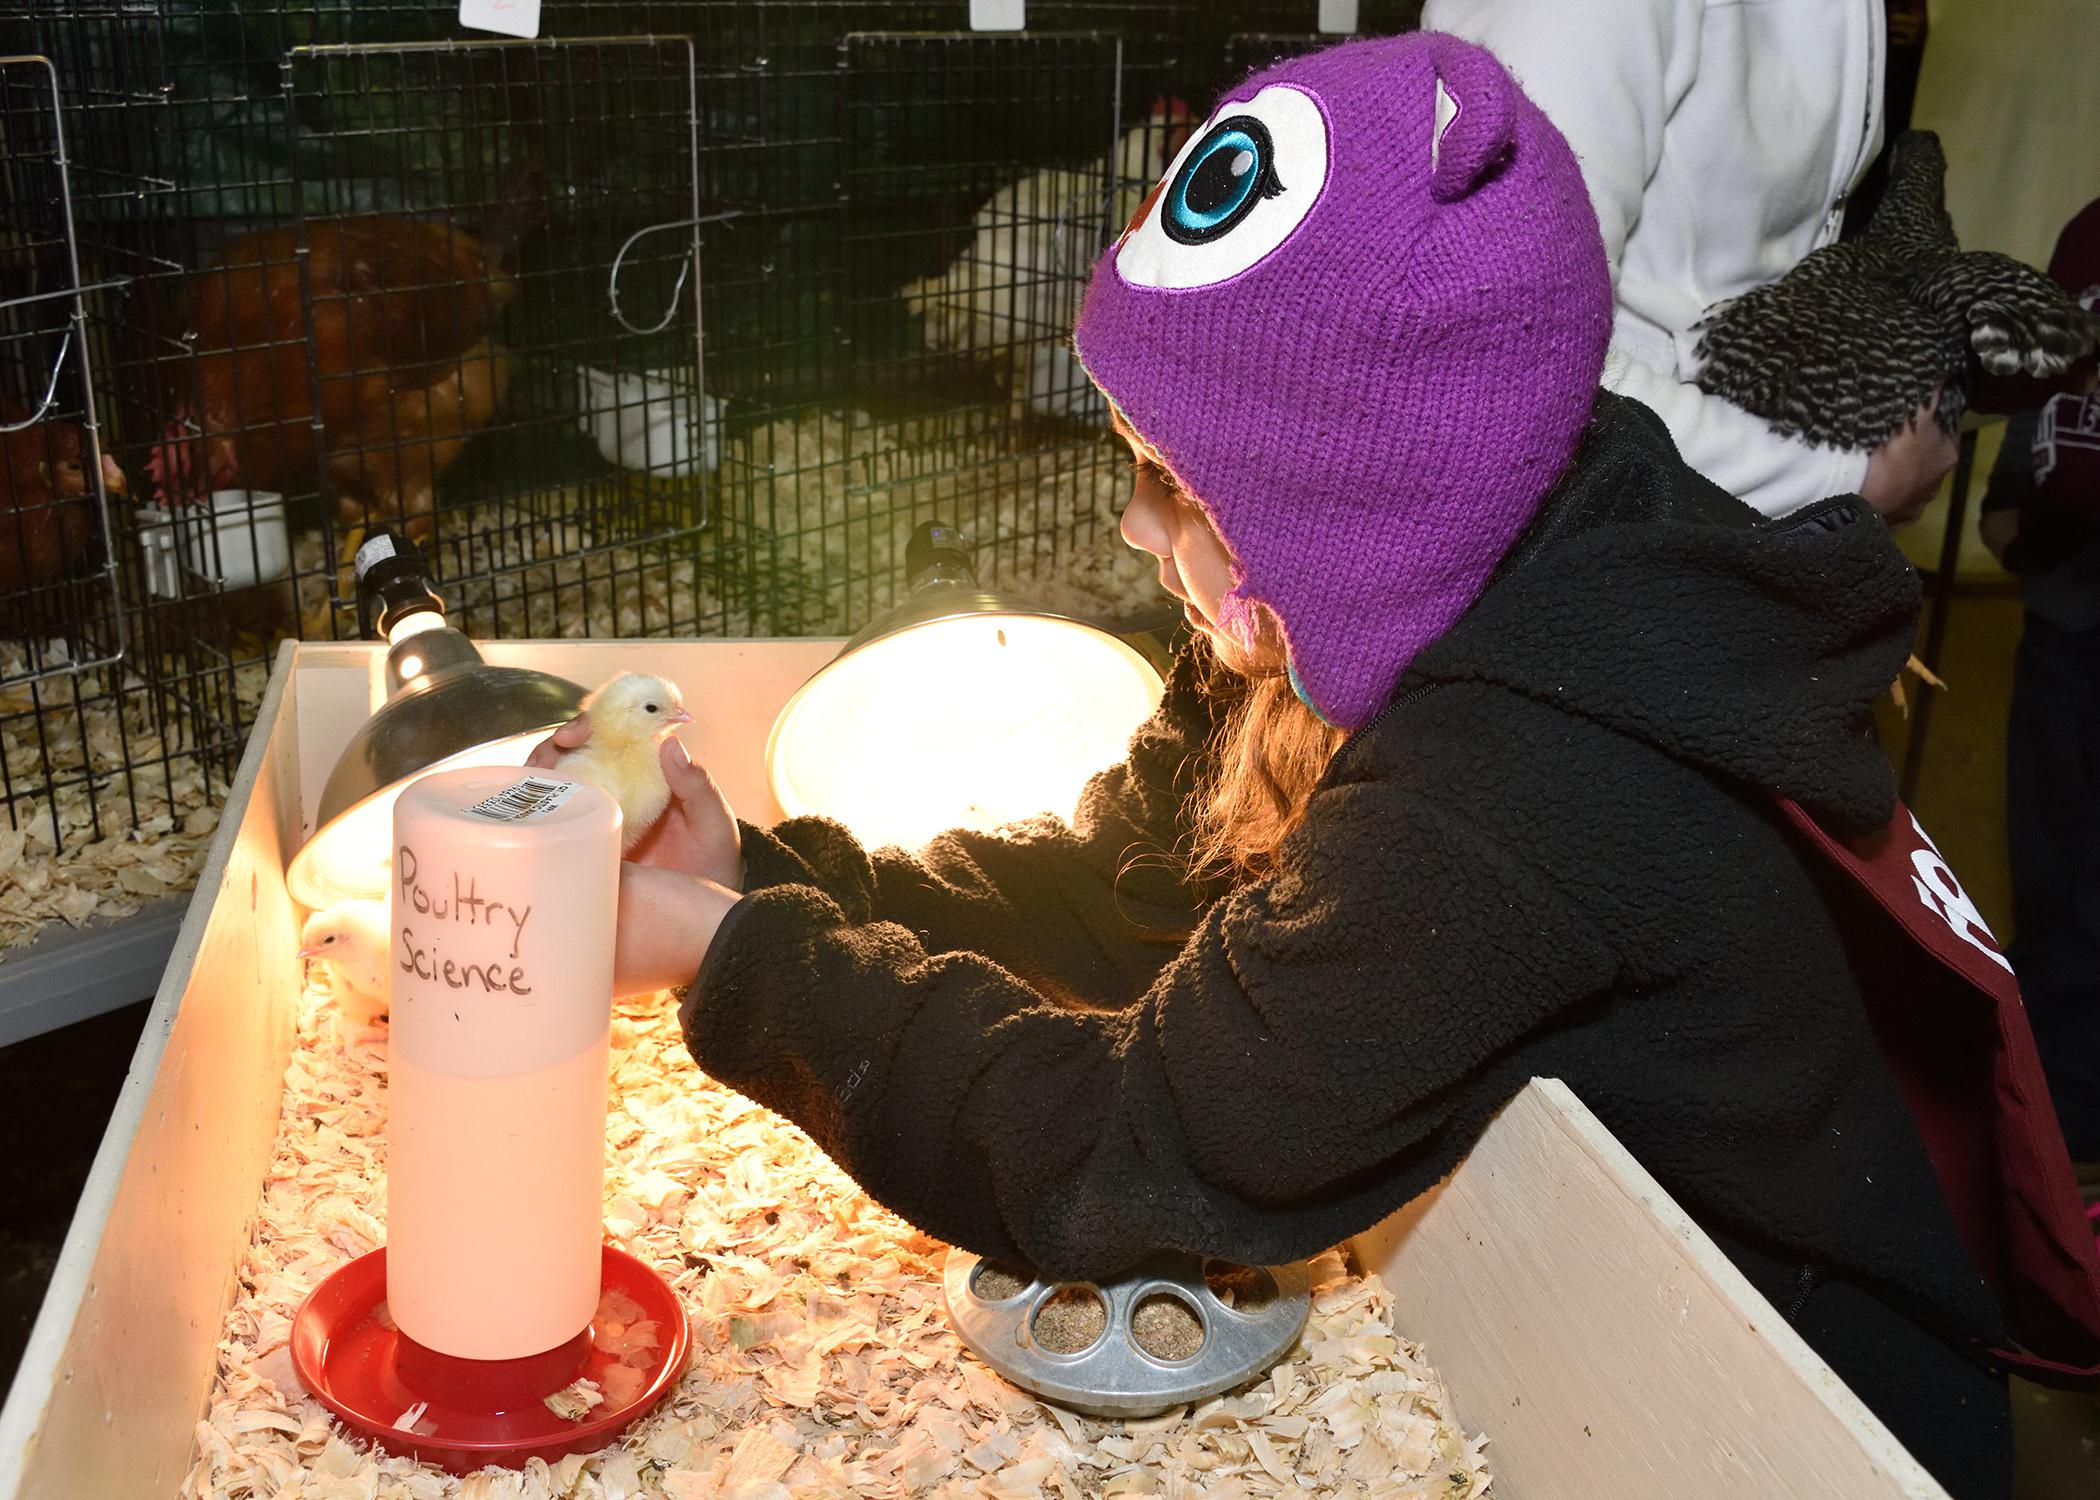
(1166, 1327)
(1070, 1320)
(994, 1282)
(1244, 1289)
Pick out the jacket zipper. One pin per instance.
(1421, 690)
(1806, 1280)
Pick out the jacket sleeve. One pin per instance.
(1107, 902)
(1295, 1059)
(1609, 76)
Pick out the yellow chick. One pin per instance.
(350, 940)
(629, 718)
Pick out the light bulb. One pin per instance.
(974, 721)
(413, 624)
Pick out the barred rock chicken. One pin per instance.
(47, 509)
(1846, 347)
(403, 313)
(1011, 298)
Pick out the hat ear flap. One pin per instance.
(1473, 121)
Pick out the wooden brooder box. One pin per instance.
(1597, 1336)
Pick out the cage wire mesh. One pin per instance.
(345, 264)
(93, 745)
(507, 365)
(953, 392)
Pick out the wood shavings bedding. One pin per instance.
(91, 723)
(822, 1361)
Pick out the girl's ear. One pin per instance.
(1473, 121)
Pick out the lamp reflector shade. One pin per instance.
(467, 714)
(969, 721)
(352, 855)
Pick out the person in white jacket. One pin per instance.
(1719, 142)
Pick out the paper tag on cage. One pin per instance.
(998, 15)
(1338, 16)
(530, 798)
(511, 17)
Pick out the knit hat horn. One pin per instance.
(1362, 321)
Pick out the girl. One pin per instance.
(1470, 775)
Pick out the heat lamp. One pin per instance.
(961, 708)
(446, 708)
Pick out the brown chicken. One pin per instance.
(402, 350)
(47, 509)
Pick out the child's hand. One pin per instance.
(667, 922)
(696, 833)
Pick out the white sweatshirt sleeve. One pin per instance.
(1771, 473)
(1609, 74)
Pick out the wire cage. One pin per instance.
(674, 321)
(498, 326)
(58, 581)
(105, 731)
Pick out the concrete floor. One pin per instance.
(56, 1092)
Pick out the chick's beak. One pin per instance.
(309, 952)
(677, 716)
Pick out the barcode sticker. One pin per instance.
(511, 17)
(528, 799)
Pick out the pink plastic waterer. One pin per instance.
(496, 1325)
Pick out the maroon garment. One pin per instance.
(1946, 1011)
(2075, 265)
(2067, 444)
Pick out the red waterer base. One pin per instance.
(478, 1412)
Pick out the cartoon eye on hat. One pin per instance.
(1233, 195)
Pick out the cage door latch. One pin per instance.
(612, 281)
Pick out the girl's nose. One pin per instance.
(1144, 521)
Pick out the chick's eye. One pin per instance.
(648, 708)
(1231, 170)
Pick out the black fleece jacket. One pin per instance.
(1554, 854)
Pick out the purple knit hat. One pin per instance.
(1362, 320)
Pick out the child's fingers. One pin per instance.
(574, 733)
(546, 755)
(688, 778)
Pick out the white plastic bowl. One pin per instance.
(238, 541)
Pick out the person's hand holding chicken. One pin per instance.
(683, 857)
